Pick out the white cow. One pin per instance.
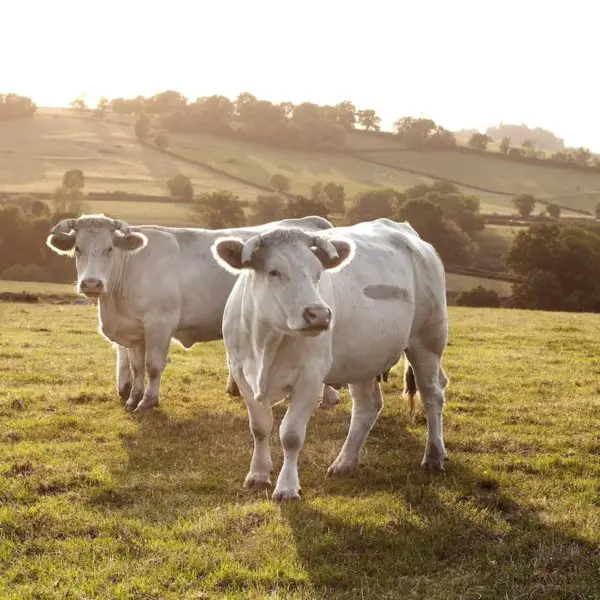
(153, 284)
(340, 306)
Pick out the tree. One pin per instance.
(102, 104)
(368, 119)
(316, 190)
(181, 186)
(345, 114)
(219, 210)
(415, 133)
(373, 204)
(142, 127)
(528, 147)
(74, 179)
(505, 145)
(267, 208)
(78, 103)
(165, 102)
(560, 267)
(336, 196)
(582, 156)
(524, 203)
(161, 140)
(479, 141)
(281, 183)
(478, 297)
(427, 218)
(304, 207)
(553, 210)
(13, 106)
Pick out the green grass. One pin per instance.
(98, 503)
(571, 188)
(463, 283)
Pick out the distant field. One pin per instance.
(96, 503)
(464, 283)
(258, 163)
(33, 287)
(569, 187)
(34, 154)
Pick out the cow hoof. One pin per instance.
(255, 481)
(432, 466)
(331, 398)
(146, 404)
(433, 460)
(285, 495)
(134, 400)
(125, 392)
(341, 469)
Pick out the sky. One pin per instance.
(463, 63)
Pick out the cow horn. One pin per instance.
(250, 248)
(325, 245)
(121, 226)
(64, 226)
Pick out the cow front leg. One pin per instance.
(261, 424)
(136, 359)
(123, 373)
(366, 406)
(292, 433)
(157, 349)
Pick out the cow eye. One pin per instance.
(109, 250)
(274, 273)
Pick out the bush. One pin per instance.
(281, 183)
(219, 210)
(142, 127)
(300, 206)
(479, 297)
(267, 208)
(181, 186)
(161, 140)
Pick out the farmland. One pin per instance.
(36, 152)
(98, 503)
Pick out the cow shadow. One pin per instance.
(404, 530)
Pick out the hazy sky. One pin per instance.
(462, 63)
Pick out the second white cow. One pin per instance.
(340, 306)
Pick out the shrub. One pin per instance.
(479, 297)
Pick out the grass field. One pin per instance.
(98, 503)
(34, 154)
(569, 187)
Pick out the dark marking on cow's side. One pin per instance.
(385, 292)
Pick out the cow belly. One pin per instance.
(125, 332)
(193, 335)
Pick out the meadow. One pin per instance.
(96, 503)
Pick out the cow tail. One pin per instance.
(410, 389)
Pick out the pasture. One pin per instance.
(571, 188)
(98, 503)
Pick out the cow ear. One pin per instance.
(228, 253)
(131, 242)
(61, 243)
(345, 252)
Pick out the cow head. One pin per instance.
(284, 268)
(96, 241)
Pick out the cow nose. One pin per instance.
(317, 316)
(91, 284)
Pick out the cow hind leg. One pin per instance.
(157, 349)
(431, 382)
(367, 403)
(292, 433)
(123, 373)
(136, 360)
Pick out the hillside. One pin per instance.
(36, 152)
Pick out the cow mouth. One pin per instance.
(90, 294)
(313, 330)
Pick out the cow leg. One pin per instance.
(431, 383)
(261, 424)
(136, 360)
(366, 406)
(331, 397)
(123, 373)
(292, 432)
(157, 349)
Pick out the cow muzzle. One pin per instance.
(91, 286)
(317, 317)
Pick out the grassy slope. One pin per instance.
(96, 503)
(34, 154)
(569, 187)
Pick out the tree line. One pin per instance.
(13, 106)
